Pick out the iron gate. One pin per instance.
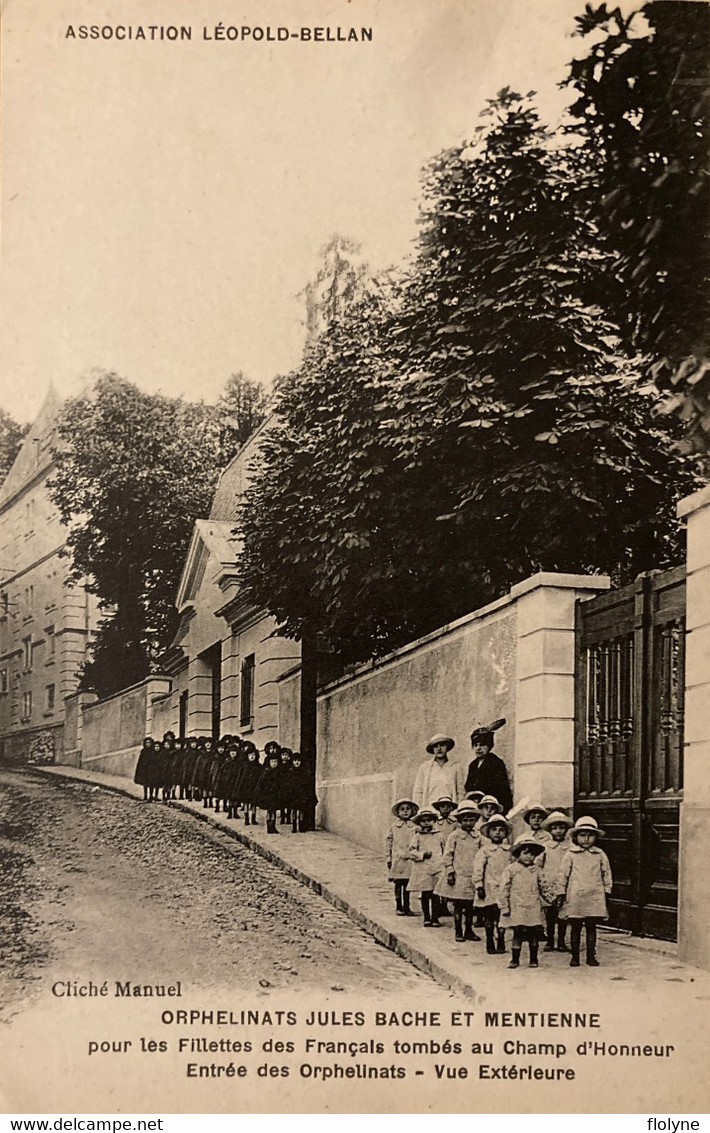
(629, 741)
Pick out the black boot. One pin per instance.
(561, 934)
(515, 958)
(469, 934)
(592, 946)
(458, 926)
(575, 942)
(490, 941)
(533, 954)
(501, 940)
(246, 819)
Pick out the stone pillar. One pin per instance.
(544, 693)
(229, 708)
(74, 706)
(199, 704)
(693, 873)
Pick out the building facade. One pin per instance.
(46, 622)
(227, 657)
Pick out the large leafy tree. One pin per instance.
(478, 422)
(134, 470)
(240, 410)
(643, 106)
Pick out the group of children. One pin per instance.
(553, 876)
(226, 774)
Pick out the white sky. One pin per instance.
(163, 204)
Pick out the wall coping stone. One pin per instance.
(694, 502)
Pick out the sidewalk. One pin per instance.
(348, 876)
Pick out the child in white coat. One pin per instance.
(582, 888)
(426, 853)
(397, 842)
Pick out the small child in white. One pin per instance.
(426, 852)
(523, 891)
(456, 880)
(557, 825)
(534, 817)
(397, 844)
(583, 885)
(489, 864)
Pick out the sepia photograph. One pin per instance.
(354, 558)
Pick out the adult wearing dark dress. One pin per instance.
(487, 771)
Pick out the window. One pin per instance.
(4, 681)
(51, 643)
(246, 714)
(27, 654)
(49, 698)
(26, 705)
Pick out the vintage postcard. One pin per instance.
(468, 875)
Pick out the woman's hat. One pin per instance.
(483, 733)
(585, 823)
(532, 809)
(426, 812)
(465, 808)
(475, 796)
(399, 803)
(490, 800)
(556, 816)
(492, 821)
(436, 803)
(440, 738)
(523, 842)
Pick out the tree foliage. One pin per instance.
(644, 107)
(478, 420)
(239, 412)
(11, 435)
(134, 470)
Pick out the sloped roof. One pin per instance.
(36, 451)
(235, 477)
(211, 539)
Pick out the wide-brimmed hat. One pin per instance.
(556, 816)
(475, 796)
(490, 800)
(465, 808)
(585, 823)
(483, 733)
(531, 810)
(523, 842)
(495, 818)
(436, 803)
(440, 738)
(426, 812)
(399, 803)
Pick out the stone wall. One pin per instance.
(113, 729)
(514, 658)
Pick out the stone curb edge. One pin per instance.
(382, 935)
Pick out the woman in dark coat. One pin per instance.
(143, 775)
(487, 772)
(269, 791)
(248, 781)
(299, 794)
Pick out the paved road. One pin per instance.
(98, 882)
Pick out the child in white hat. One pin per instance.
(583, 885)
(557, 825)
(456, 879)
(523, 891)
(534, 818)
(490, 862)
(397, 842)
(426, 853)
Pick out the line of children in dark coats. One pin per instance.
(553, 876)
(226, 774)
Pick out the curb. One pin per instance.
(381, 934)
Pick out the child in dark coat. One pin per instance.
(269, 791)
(299, 793)
(143, 775)
(248, 781)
